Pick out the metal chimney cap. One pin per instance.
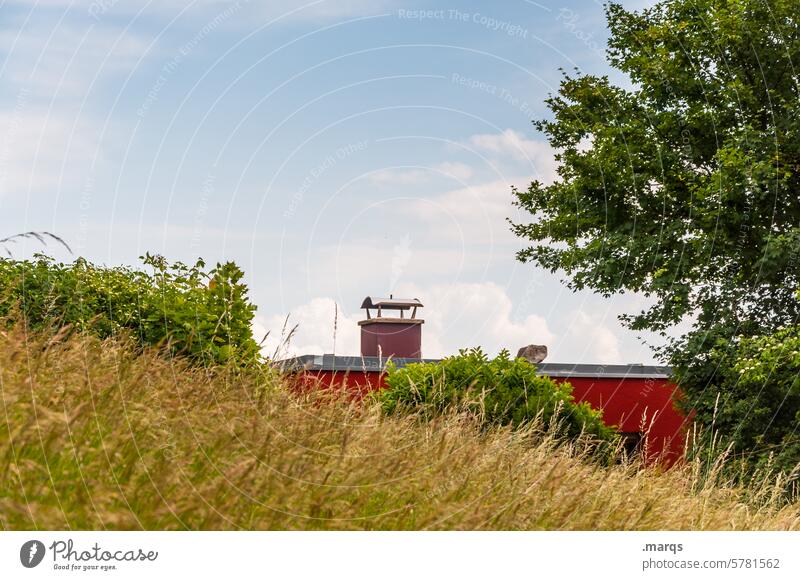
(391, 303)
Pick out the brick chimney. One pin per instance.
(391, 336)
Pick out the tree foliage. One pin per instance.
(753, 405)
(683, 185)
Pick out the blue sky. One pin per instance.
(333, 149)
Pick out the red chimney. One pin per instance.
(386, 336)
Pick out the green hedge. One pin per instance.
(502, 391)
(203, 313)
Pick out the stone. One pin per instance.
(533, 353)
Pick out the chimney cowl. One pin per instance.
(386, 336)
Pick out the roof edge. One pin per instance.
(329, 362)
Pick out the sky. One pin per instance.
(334, 149)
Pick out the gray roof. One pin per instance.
(329, 362)
(391, 303)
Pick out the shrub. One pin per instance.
(205, 314)
(503, 391)
(746, 392)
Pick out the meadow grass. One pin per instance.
(102, 435)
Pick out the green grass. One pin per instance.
(98, 435)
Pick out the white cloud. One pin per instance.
(418, 175)
(38, 152)
(314, 333)
(57, 57)
(514, 145)
(475, 213)
(47, 140)
(596, 341)
(464, 315)
(491, 199)
(456, 316)
(454, 169)
(469, 314)
(381, 266)
(306, 10)
(329, 9)
(53, 60)
(478, 211)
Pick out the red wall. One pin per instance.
(631, 404)
(357, 383)
(638, 405)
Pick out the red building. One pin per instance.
(637, 399)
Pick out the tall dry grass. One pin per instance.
(96, 436)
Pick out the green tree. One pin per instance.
(683, 184)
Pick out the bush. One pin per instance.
(746, 392)
(502, 391)
(205, 314)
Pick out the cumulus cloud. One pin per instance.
(592, 337)
(476, 212)
(456, 316)
(513, 145)
(491, 199)
(313, 324)
(463, 315)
